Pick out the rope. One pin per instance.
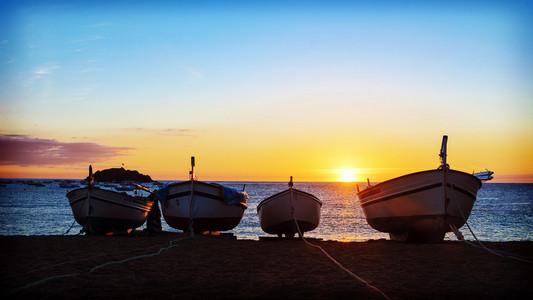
(172, 245)
(79, 210)
(76, 260)
(191, 220)
(460, 237)
(329, 256)
(40, 282)
(68, 230)
(141, 256)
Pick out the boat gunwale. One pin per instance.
(212, 196)
(272, 197)
(371, 187)
(365, 203)
(134, 202)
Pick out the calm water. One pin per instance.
(502, 212)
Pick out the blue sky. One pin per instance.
(269, 71)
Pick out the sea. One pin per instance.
(503, 211)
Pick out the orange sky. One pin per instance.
(264, 92)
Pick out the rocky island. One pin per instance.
(119, 175)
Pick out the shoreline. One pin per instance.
(221, 267)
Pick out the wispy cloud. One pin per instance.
(102, 24)
(165, 131)
(90, 70)
(23, 150)
(194, 72)
(83, 92)
(90, 38)
(45, 69)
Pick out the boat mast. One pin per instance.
(192, 177)
(445, 167)
(291, 196)
(192, 174)
(443, 154)
(91, 179)
(290, 183)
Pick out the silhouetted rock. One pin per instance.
(119, 175)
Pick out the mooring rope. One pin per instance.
(329, 256)
(79, 210)
(68, 230)
(75, 260)
(141, 256)
(191, 203)
(40, 282)
(172, 245)
(460, 237)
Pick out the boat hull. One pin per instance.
(420, 206)
(205, 207)
(102, 211)
(276, 217)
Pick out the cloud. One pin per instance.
(47, 69)
(40, 72)
(102, 24)
(165, 131)
(91, 38)
(26, 151)
(194, 72)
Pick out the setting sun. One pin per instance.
(347, 175)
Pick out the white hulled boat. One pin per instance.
(201, 206)
(102, 211)
(421, 207)
(278, 213)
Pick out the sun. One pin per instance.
(347, 175)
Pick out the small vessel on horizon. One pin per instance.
(102, 211)
(484, 176)
(289, 212)
(421, 206)
(200, 206)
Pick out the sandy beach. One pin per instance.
(220, 267)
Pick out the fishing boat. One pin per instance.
(200, 206)
(287, 211)
(422, 206)
(484, 176)
(102, 211)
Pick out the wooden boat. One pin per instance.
(422, 206)
(201, 206)
(102, 211)
(279, 213)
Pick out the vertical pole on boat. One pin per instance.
(192, 175)
(291, 195)
(91, 180)
(443, 154)
(444, 166)
(88, 199)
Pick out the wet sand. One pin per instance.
(219, 267)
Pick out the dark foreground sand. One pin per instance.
(218, 267)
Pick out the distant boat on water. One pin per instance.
(102, 211)
(484, 176)
(279, 213)
(125, 187)
(68, 185)
(422, 206)
(201, 206)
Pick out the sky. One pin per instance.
(265, 90)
